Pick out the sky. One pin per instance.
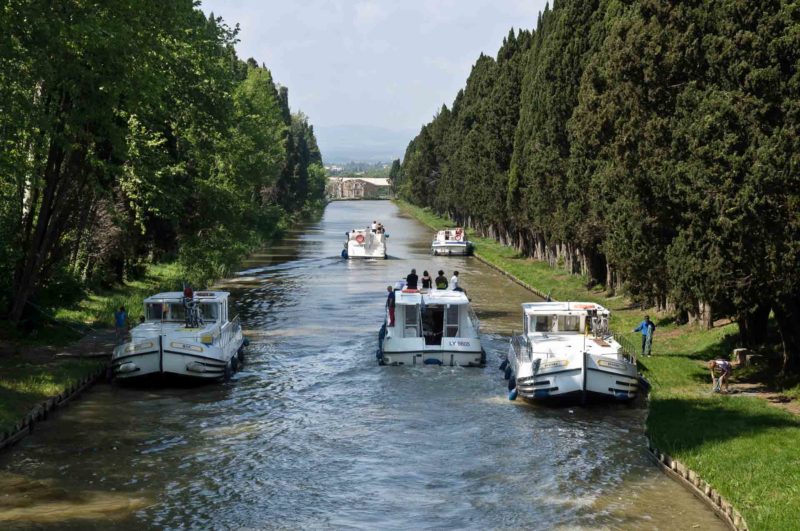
(378, 63)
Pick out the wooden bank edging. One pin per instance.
(698, 486)
(41, 412)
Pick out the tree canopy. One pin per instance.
(651, 146)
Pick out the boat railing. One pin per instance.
(522, 347)
(230, 330)
(476, 323)
(628, 347)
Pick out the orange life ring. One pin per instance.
(459, 232)
(360, 238)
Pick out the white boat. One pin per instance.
(365, 243)
(451, 242)
(182, 337)
(431, 327)
(566, 353)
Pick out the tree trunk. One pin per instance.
(787, 313)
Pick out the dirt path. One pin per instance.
(772, 397)
(95, 344)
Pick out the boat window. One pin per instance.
(569, 323)
(209, 311)
(411, 328)
(165, 311)
(543, 323)
(451, 329)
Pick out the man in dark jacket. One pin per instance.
(412, 279)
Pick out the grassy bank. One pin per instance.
(29, 371)
(743, 446)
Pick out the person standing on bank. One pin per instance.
(390, 299)
(120, 324)
(427, 281)
(646, 327)
(454, 282)
(412, 280)
(441, 281)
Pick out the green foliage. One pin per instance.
(131, 133)
(647, 146)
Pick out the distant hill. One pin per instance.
(345, 143)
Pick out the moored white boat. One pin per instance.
(451, 242)
(566, 353)
(365, 243)
(182, 337)
(431, 327)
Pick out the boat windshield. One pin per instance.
(556, 323)
(175, 311)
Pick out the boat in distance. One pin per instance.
(365, 243)
(189, 337)
(566, 353)
(451, 242)
(431, 327)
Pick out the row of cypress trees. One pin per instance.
(130, 132)
(650, 145)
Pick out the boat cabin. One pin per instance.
(433, 315)
(170, 307)
(542, 318)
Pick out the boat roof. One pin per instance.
(452, 229)
(565, 308)
(434, 296)
(205, 296)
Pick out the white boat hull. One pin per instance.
(452, 352)
(176, 358)
(356, 250)
(451, 248)
(579, 377)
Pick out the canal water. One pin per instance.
(314, 434)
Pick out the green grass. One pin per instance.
(25, 384)
(746, 448)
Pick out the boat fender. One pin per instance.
(512, 395)
(245, 342)
(504, 365)
(512, 383)
(507, 373)
(235, 364)
(344, 253)
(227, 373)
(240, 356)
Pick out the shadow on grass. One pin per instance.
(686, 423)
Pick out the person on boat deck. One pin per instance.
(723, 367)
(120, 324)
(454, 282)
(412, 279)
(374, 225)
(390, 304)
(426, 280)
(441, 281)
(646, 327)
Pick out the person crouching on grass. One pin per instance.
(724, 368)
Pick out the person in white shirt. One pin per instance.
(454, 282)
(374, 225)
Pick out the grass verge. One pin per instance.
(743, 446)
(24, 383)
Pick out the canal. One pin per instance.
(314, 434)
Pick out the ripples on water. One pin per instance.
(313, 433)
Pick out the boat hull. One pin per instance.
(579, 378)
(451, 249)
(354, 250)
(454, 352)
(192, 361)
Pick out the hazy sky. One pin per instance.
(388, 63)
